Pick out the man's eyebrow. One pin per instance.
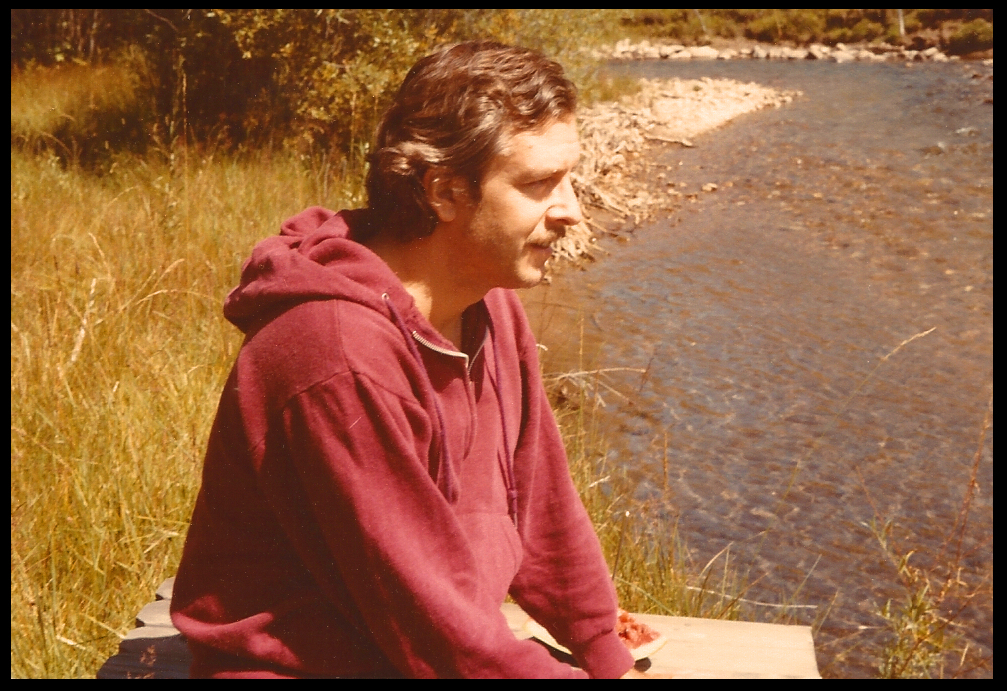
(546, 172)
(550, 170)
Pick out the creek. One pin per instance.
(772, 416)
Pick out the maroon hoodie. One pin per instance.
(370, 495)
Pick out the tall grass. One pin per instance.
(118, 354)
(924, 639)
(81, 113)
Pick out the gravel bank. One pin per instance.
(615, 137)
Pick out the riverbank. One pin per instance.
(611, 183)
(116, 284)
(615, 183)
(645, 49)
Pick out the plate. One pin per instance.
(646, 650)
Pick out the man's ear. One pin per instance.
(445, 193)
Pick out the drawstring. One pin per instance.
(445, 472)
(445, 478)
(507, 462)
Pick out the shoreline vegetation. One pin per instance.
(133, 205)
(614, 138)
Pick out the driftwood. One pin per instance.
(615, 135)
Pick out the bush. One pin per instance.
(971, 37)
(314, 78)
(764, 29)
(866, 30)
(80, 114)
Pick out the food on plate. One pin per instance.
(635, 634)
(641, 640)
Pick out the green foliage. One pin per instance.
(79, 113)
(680, 25)
(338, 68)
(767, 28)
(933, 18)
(799, 26)
(971, 37)
(316, 79)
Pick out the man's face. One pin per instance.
(527, 202)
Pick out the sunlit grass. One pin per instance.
(118, 355)
(81, 113)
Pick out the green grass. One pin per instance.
(118, 354)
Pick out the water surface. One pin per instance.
(765, 315)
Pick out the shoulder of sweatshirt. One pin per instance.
(320, 340)
(511, 322)
(317, 340)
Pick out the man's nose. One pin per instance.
(565, 208)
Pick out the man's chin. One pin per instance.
(531, 279)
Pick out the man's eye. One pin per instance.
(538, 185)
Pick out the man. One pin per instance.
(384, 467)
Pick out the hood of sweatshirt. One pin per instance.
(315, 258)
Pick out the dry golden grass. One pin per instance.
(118, 353)
(81, 113)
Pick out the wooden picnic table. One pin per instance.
(696, 648)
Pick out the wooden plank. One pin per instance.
(154, 649)
(718, 649)
(713, 648)
(696, 648)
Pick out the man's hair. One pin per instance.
(454, 110)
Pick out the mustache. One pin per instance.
(553, 235)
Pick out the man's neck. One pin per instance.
(421, 267)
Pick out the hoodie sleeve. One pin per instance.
(564, 582)
(386, 534)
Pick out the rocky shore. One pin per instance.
(614, 182)
(874, 52)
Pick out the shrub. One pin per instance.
(866, 30)
(971, 37)
(316, 78)
(79, 113)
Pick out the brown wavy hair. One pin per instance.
(453, 110)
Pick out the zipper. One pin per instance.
(451, 353)
(507, 462)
